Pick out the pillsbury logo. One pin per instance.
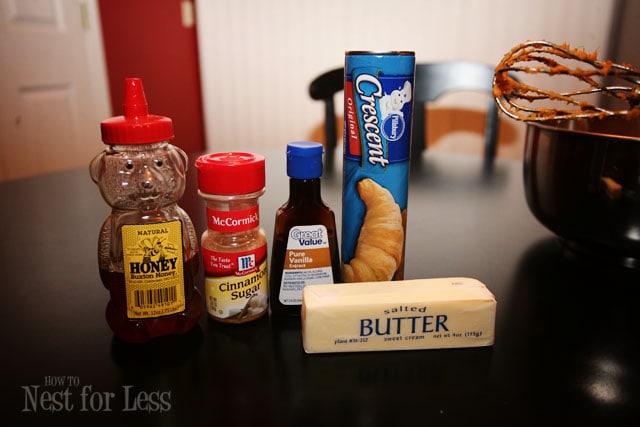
(393, 127)
(391, 105)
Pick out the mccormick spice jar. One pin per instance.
(234, 246)
(147, 247)
(378, 103)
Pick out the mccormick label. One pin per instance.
(153, 269)
(233, 221)
(235, 282)
(241, 289)
(378, 104)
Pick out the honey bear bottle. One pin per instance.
(147, 247)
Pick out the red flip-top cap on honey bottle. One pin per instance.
(136, 126)
(230, 173)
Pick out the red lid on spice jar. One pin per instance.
(230, 173)
(136, 126)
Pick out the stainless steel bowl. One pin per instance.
(582, 181)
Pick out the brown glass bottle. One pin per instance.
(305, 246)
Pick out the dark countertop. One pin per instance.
(567, 333)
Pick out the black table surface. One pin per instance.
(567, 333)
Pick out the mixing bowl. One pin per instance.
(582, 181)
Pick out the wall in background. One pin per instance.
(257, 58)
(625, 33)
(156, 41)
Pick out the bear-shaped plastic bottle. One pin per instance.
(147, 247)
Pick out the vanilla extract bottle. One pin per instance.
(305, 249)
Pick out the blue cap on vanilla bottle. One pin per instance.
(304, 159)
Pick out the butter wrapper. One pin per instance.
(398, 315)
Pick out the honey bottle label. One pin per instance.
(307, 261)
(153, 269)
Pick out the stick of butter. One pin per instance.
(398, 315)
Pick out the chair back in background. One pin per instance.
(432, 80)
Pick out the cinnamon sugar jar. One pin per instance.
(234, 246)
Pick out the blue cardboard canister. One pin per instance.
(378, 106)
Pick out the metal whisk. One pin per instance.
(524, 102)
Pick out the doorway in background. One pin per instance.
(53, 86)
(157, 42)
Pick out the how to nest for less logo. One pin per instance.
(66, 394)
